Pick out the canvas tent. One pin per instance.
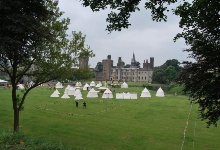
(92, 83)
(59, 85)
(85, 87)
(55, 94)
(92, 93)
(65, 96)
(160, 92)
(145, 93)
(133, 95)
(124, 85)
(78, 84)
(78, 97)
(77, 92)
(71, 91)
(20, 86)
(3, 81)
(107, 94)
(127, 95)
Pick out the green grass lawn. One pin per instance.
(109, 124)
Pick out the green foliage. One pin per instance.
(200, 23)
(127, 66)
(99, 67)
(121, 10)
(166, 73)
(82, 74)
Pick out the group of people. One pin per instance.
(84, 104)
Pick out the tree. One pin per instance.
(201, 78)
(99, 66)
(137, 64)
(118, 19)
(35, 44)
(159, 75)
(83, 74)
(166, 73)
(127, 66)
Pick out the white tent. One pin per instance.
(20, 86)
(124, 85)
(133, 95)
(98, 85)
(107, 94)
(92, 83)
(77, 92)
(3, 81)
(127, 95)
(78, 97)
(65, 96)
(160, 92)
(59, 85)
(145, 93)
(119, 96)
(67, 89)
(92, 93)
(71, 91)
(85, 87)
(55, 94)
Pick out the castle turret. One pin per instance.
(107, 65)
(133, 61)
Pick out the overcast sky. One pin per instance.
(144, 37)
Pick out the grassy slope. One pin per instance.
(152, 123)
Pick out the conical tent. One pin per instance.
(160, 92)
(78, 97)
(59, 85)
(65, 96)
(145, 93)
(92, 83)
(92, 93)
(107, 94)
(71, 91)
(67, 89)
(85, 87)
(124, 85)
(77, 92)
(55, 94)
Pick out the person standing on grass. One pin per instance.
(84, 104)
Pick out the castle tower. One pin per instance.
(133, 61)
(151, 63)
(107, 65)
(120, 63)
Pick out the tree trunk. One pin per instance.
(15, 108)
(16, 119)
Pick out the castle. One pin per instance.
(120, 73)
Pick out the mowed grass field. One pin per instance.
(155, 123)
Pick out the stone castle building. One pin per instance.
(120, 73)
